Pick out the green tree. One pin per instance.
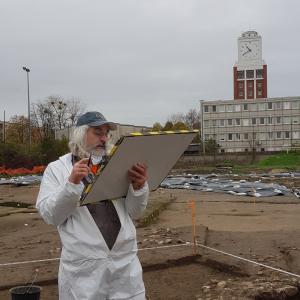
(168, 126)
(17, 130)
(157, 127)
(52, 149)
(211, 146)
(180, 126)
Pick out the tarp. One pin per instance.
(22, 180)
(211, 183)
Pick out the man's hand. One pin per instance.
(138, 175)
(79, 171)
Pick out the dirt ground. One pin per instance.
(264, 230)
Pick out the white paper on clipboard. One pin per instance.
(159, 152)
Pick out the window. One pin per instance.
(262, 149)
(295, 135)
(206, 123)
(270, 105)
(238, 122)
(241, 94)
(286, 120)
(222, 137)
(250, 73)
(287, 134)
(222, 150)
(240, 74)
(254, 136)
(253, 122)
(206, 137)
(278, 135)
(259, 93)
(222, 122)
(214, 123)
(259, 84)
(261, 121)
(245, 106)
(295, 120)
(245, 122)
(230, 108)
(261, 106)
(221, 108)
(269, 120)
(237, 136)
(246, 136)
(250, 84)
(253, 107)
(250, 93)
(246, 150)
(229, 122)
(214, 108)
(277, 105)
(278, 120)
(259, 73)
(206, 108)
(295, 105)
(229, 136)
(237, 107)
(286, 105)
(241, 84)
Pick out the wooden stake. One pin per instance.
(192, 206)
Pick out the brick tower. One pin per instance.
(250, 71)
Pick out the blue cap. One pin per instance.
(93, 119)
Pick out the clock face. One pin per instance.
(249, 50)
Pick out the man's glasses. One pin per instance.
(101, 133)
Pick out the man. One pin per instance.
(99, 250)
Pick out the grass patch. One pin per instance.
(282, 160)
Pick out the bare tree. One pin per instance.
(192, 119)
(75, 109)
(55, 113)
(175, 118)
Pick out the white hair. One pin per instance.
(77, 144)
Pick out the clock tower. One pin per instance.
(250, 71)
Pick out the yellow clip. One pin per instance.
(113, 150)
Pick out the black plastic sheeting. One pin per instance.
(22, 180)
(209, 183)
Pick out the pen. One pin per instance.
(90, 160)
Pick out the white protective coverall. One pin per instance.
(88, 269)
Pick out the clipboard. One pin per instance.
(158, 150)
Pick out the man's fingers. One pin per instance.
(83, 161)
(139, 169)
(136, 174)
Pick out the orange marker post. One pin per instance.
(192, 206)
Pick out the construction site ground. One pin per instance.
(263, 230)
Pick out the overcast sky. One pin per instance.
(139, 61)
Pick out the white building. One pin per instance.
(270, 124)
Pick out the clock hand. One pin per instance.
(249, 50)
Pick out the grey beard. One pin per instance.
(96, 159)
(94, 151)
